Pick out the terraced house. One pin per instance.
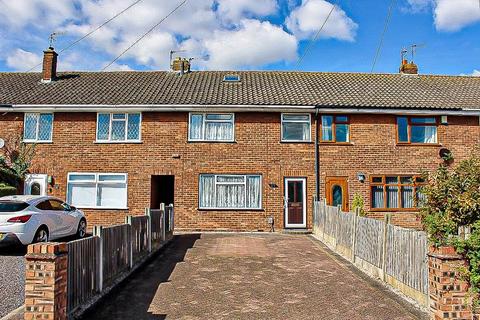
(237, 150)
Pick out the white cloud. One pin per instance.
(22, 60)
(453, 15)
(253, 44)
(449, 15)
(234, 10)
(476, 73)
(307, 19)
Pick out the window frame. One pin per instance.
(415, 185)
(309, 121)
(334, 129)
(37, 130)
(409, 130)
(230, 183)
(204, 127)
(97, 182)
(127, 117)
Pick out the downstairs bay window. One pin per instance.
(230, 191)
(97, 190)
(396, 192)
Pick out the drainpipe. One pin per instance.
(317, 154)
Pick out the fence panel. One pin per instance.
(407, 257)
(345, 229)
(139, 227)
(369, 240)
(82, 274)
(157, 222)
(116, 251)
(169, 222)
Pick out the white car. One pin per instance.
(31, 219)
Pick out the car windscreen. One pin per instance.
(12, 206)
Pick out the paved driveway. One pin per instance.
(12, 279)
(247, 276)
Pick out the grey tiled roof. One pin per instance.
(256, 88)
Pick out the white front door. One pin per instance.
(36, 184)
(295, 203)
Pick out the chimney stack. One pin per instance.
(408, 67)
(181, 65)
(49, 72)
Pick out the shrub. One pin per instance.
(6, 190)
(358, 203)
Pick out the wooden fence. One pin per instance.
(395, 255)
(98, 263)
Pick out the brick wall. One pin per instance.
(257, 149)
(46, 281)
(449, 297)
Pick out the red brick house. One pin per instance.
(232, 149)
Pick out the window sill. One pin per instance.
(295, 142)
(38, 142)
(228, 209)
(101, 208)
(436, 145)
(213, 141)
(400, 210)
(117, 142)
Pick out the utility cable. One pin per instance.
(314, 39)
(145, 34)
(382, 37)
(93, 31)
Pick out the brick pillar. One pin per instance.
(448, 293)
(46, 281)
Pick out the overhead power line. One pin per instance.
(314, 39)
(93, 31)
(382, 37)
(145, 34)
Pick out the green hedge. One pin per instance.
(7, 190)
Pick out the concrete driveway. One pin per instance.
(251, 276)
(12, 279)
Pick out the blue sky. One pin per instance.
(245, 34)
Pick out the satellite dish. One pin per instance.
(2, 143)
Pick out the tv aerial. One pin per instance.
(53, 38)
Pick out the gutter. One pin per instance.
(230, 108)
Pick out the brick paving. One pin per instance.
(251, 276)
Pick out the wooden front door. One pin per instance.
(337, 192)
(295, 203)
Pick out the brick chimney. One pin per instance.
(49, 72)
(408, 67)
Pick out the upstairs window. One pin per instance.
(211, 127)
(38, 127)
(97, 190)
(118, 127)
(396, 192)
(417, 130)
(296, 128)
(335, 129)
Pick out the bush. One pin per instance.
(7, 190)
(453, 201)
(358, 203)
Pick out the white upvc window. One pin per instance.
(296, 127)
(218, 127)
(119, 127)
(38, 127)
(97, 190)
(230, 191)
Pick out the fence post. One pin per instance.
(149, 229)
(388, 217)
(128, 220)
(162, 209)
(354, 233)
(97, 232)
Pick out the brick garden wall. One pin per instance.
(257, 149)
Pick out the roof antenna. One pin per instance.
(53, 38)
(414, 48)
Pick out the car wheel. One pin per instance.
(41, 235)
(82, 229)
